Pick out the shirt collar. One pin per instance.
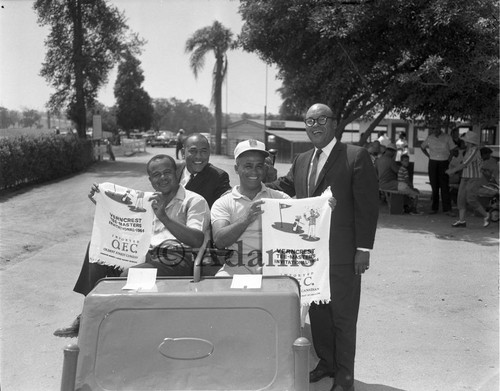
(185, 175)
(328, 148)
(180, 195)
(236, 191)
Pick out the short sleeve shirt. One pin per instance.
(403, 175)
(439, 147)
(187, 208)
(247, 251)
(473, 162)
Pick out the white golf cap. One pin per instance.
(250, 145)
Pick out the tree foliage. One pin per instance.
(86, 39)
(134, 109)
(430, 58)
(217, 39)
(173, 114)
(8, 118)
(108, 117)
(30, 117)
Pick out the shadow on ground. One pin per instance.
(118, 169)
(326, 383)
(439, 225)
(360, 386)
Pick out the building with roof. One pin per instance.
(289, 138)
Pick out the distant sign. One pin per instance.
(97, 127)
(277, 124)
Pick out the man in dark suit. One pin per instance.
(197, 174)
(348, 170)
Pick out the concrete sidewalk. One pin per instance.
(428, 317)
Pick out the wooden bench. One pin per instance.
(395, 201)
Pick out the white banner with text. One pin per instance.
(123, 226)
(295, 243)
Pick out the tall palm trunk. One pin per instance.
(218, 39)
(219, 75)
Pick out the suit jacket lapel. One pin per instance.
(329, 162)
(303, 170)
(180, 168)
(199, 179)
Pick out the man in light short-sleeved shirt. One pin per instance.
(180, 215)
(236, 216)
(189, 209)
(181, 219)
(437, 147)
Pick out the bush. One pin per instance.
(36, 159)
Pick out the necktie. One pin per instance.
(313, 172)
(191, 177)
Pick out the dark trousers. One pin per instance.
(439, 183)
(91, 273)
(333, 325)
(178, 147)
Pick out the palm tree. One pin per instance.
(218, 39)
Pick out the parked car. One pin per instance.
(135, 135)
(164, 139)
(149, 136)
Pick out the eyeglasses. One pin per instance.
(321, 120)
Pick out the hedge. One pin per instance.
(36, 159)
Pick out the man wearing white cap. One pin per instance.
(236, 216)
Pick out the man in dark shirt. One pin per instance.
(387, 169)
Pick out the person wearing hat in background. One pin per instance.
(374, 150)
(387, 169)
(438, 147)
(179, 145)
(236, 216)
(470, 181)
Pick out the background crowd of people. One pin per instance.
(461, 172)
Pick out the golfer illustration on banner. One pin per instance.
(295, 243)
(310, 216)
(128, 197)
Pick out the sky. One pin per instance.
(166, 25)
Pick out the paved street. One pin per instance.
(428, 317)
